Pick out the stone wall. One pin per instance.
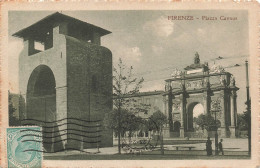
(89, 77)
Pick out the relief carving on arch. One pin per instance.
(194, 84)
(215, 107)
(176, 117)
(176, 106)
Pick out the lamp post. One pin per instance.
(248, 103)
(216, 109)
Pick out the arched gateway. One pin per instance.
(41, 100)
(215, 91)
(60, 81)
(41, 94)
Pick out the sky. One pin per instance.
(154, 45)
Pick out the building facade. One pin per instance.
(149, 102)
(66, 82)
(213, 89)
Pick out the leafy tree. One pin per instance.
(156, 122)
(124, 85)
(247, 114)
(129, 122)
(206, 122)
(21, 108)
(13, 121)
(247, 118)
(241, 122)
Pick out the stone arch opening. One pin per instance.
(41, 101)
(194, 110)
(41, 94)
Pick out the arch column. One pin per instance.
(170, 99)
(166, 130)
(206, 101)
(206, 97)
(233, 114)
(223, 115)
(183, 113)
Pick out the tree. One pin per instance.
(129, 122)
(156, 122)
(13, 121)
(124, 85)
(206, 122)
(241, 122)
(247, 114)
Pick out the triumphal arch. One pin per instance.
(65, 76)
(213, 88)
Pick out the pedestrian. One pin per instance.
(220, 146)
(209, 147)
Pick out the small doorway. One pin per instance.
(176, 129)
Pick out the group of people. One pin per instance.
(209, 147)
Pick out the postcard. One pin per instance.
(129, 84)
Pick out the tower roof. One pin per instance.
(49, 22)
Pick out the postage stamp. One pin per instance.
(24, 147)
(157, 84)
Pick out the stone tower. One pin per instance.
(65, 76)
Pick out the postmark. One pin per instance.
(144, 144)
(23, 147)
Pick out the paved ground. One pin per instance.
(228, 144)
(233, 149)
(141, 157)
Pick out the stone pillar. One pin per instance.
(232, 127)
(232, 111)
(166, 129)
(170, 100)
(235, 108)
(166, 132)
(206, 99)
(206, 96)
(183, 113)
(223, 115)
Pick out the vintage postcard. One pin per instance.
(156, 84)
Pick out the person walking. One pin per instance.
(220, 146)
(209, 147)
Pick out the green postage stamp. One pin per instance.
(24, 147)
